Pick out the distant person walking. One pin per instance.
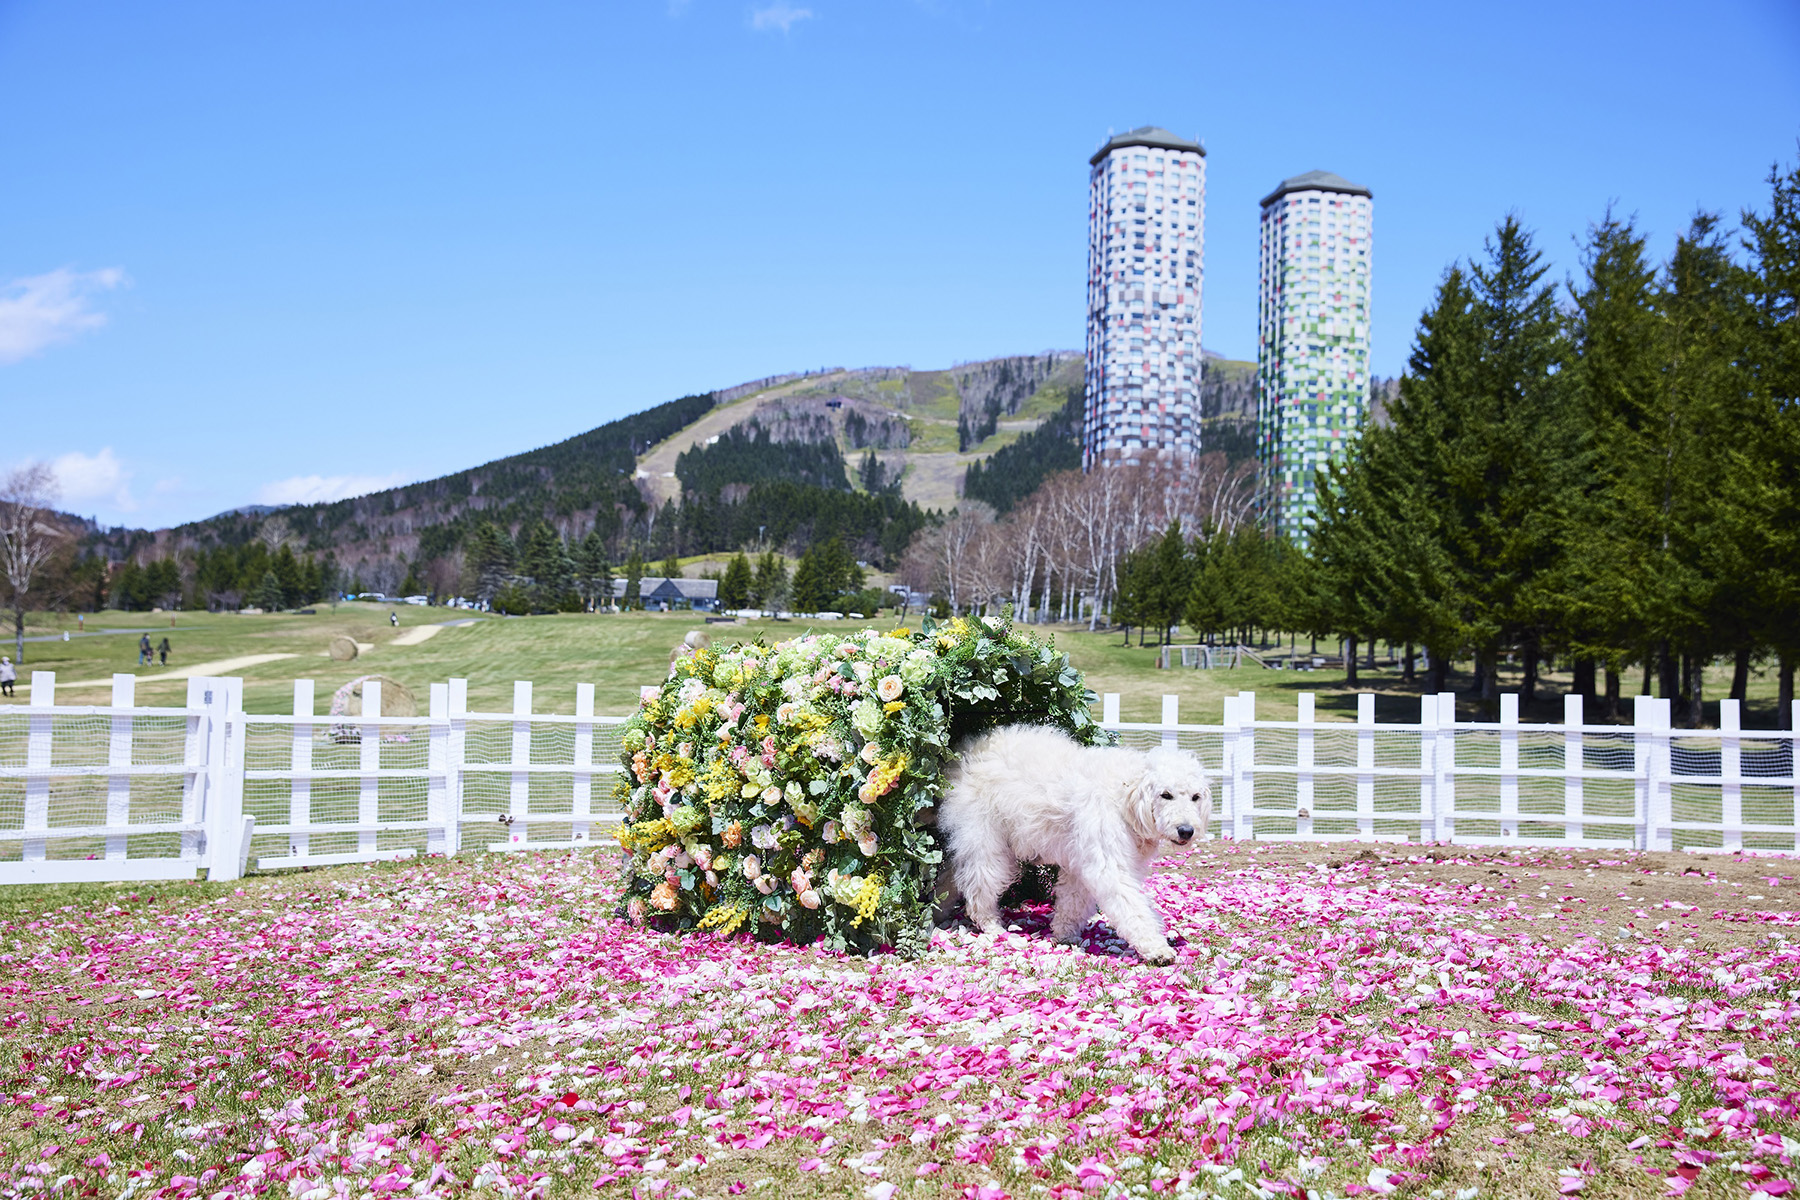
(162, 652)
(81, 622)
(144, 651)
(8, 673)
(393, 619)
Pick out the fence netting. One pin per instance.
(94, 771)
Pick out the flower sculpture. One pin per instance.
(789, 789)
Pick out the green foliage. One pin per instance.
(746, 454)
(268, 595)
(1015, 471)
(736, 584)
(1615, 483)
(770, 587)
(634, 575)
(761, 798)
(824, 575)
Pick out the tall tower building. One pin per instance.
(1312, 336)
(1146, 229)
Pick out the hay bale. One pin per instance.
(342, 649)
(397, 699)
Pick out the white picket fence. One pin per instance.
(126, 793)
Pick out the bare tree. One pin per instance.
(28, 536)
(274, 533)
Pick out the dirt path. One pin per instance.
(222, 666)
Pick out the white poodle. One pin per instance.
(1098, 814)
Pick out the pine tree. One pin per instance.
(489, 560)
(593, 571)
(1774, 242)
(268, 592)
(1171, 581)
(634, 574)
(1614, 329)
(734, 588)
(770, 586)
(812, 592)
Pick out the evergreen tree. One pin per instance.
(489, 559)
(1170, 582)
(770, 585)
(811, 591)
(546, 570)
(593, 571)
(1614, 329)
(634, 574)
(671, 569)
(268, 592)
(735, 587)
(1774, 242)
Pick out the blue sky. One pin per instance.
(281, 251)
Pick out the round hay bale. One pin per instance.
(343, 649)
(396, 699)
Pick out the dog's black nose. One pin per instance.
(1184, 832)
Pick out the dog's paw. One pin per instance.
(1160, 956)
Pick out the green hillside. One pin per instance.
(863, 455)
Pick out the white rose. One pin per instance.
(889, 688)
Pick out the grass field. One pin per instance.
(618, 653)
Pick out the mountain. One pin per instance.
(910, 434)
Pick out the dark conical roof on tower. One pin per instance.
(1148, 135)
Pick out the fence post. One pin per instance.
(1244, 762)
(1574, 762)
(1509, 765)
(1109, 709)
(300, 760)
(1794, 766)
(1365, 764)
(582, 805)
(1428, 820)
(1650, 725)
(1444, 783)
(1171, 717)
(457, 757)
(39, 754)
(228, 831)
(197, 781)
(118, 756)
(1304, 762)
(1731, 769)
(437, 782)
(520, 805)
(368, 800)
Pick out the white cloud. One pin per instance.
(90, 479)
(312, 489)
(779, 15)
(40, 310)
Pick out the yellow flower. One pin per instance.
(893, 706)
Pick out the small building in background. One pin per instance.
(660, 593)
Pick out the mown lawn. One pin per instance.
(619, 652)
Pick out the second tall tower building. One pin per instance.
(1312, 334)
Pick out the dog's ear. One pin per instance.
(1140, 804)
